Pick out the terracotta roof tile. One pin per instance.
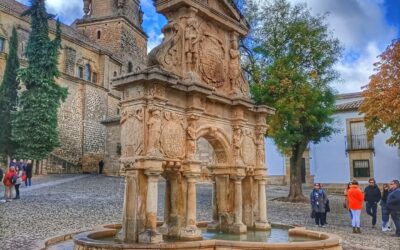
(354, 105)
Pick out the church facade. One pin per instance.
(107, 42)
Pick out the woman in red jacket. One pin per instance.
(355, 198)
(8, 182)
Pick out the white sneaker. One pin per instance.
(385, 229)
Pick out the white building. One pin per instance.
(346, 155)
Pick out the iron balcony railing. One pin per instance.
(359, 142)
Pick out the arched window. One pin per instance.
(98, 34)
(88, 72)
(130, 67)
(115, 73)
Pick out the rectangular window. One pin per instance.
(361, 168)
(358, 136)
(80, 72)
(2, 44)
(94, 77)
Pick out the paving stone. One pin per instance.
(65, 204)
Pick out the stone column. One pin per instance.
(262, 224)
(129, 226)
(151, 235)
(238, 227)
(191, 232)
(214, 225)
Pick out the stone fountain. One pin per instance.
(193, 88)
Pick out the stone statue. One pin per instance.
(192, 38)
(191, 141)
(87, 7)
(234, 65)
(237, 144)
(154, 125)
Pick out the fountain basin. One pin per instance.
(101, 239)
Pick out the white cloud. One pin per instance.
(361, 27)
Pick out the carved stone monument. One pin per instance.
(193, 88)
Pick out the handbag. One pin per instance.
(327, 207)
(23, 177)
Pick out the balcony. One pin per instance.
(358, 142)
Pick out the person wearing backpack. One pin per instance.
(9, 180)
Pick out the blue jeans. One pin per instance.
(385, 214)
(396, 219)
(356, 220)
(371, 208)
(28, 181)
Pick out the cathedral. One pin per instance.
(107, 42)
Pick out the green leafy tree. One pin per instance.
(290, 66)
(35, 123)
(9, 97)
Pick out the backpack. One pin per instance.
(14, 179)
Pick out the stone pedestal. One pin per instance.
(150, 235)
(191, 232)
(238, 227)
(262, 224)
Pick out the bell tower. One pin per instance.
(130, 9)
(117, 26)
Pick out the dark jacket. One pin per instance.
(393, 200)
(28, 170)
(318, 200)
(372, 194)
(384, 196)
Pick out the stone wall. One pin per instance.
(113, 148)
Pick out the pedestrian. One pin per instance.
(9, 180)
(346, 200)
(356, 198)
(318, 200)
(393, 204)
(327, 206)
(22, 165)
(14, 163)
(19, 173)
(28, 173)
(384, 209)
(101, 166)
(372, 195)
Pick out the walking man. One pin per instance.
(372, 196)
(393, 204)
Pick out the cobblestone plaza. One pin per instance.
(59, 204)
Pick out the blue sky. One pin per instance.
(365, 28)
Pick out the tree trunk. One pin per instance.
(36, 167)
(296, 190)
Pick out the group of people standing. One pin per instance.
(388, 198)
(16, 174)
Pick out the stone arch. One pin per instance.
(218, 140)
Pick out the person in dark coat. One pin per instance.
(28, 172)
(393, 204)
(318, 200)
(372, 195)
(385, 211)
(101, 166)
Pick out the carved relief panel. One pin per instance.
(198, 50)
(132, 127)
(173, 136)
